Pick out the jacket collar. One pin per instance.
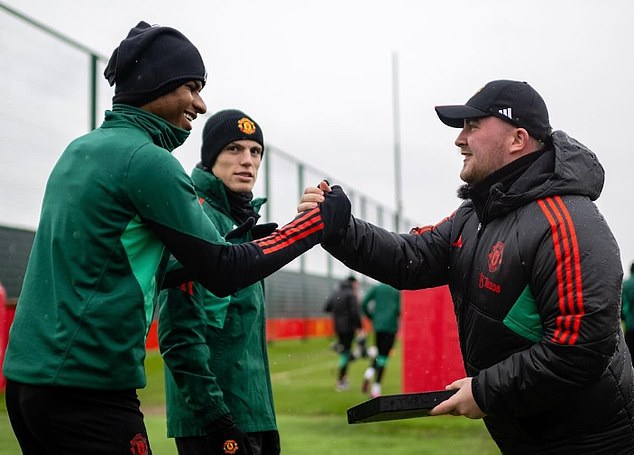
(162, 133)
(214, 191)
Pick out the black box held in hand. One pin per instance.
(401, 406)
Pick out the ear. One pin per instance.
(521, 141)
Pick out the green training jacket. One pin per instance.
(90, 286)
(215, 348)
(114, 200)
(386, 308)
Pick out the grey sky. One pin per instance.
(317, 77)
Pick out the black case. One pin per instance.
(401, 406)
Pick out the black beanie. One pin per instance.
(225, 127)
(151, 62)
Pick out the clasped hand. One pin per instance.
(461, 403)
(334, 206)
(313, 196)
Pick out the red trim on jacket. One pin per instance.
(301, 227)
(420, 230)
(568, 270)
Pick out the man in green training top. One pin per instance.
(214, 348)
(116, 203)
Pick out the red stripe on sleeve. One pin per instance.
(565, 242)
(294, 227)
(568, 270)
(291, 240)
(300, 228)
(577, 287)
(558, 269)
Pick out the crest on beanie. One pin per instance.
(246, 126)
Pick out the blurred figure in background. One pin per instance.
(344, 306)
(382, 305)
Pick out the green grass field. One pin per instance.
(312, 415)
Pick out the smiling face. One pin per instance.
(237, 165)
(181, 106)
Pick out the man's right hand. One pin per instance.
(313, 196)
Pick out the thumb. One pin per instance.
(324, 186)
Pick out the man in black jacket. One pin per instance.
(535, 277)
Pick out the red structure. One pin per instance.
(7, 311)
(279, 329)
(431, 351)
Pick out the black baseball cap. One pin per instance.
(512, 101)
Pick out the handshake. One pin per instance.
(335, 207)
(315, 195)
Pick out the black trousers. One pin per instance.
(384, 342)
(74, 421)
(345, 341)
(260, 443)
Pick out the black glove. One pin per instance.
(240, 230)
(335, 212)
(225, 438)
(270, 443)
(262, 230)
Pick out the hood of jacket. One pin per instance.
(567, 168)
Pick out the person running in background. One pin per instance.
(214, 348)
(343, 303)
(382, 305)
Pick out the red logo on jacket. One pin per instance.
(495, 256)
(485, 283)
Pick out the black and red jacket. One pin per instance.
(535, 275)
